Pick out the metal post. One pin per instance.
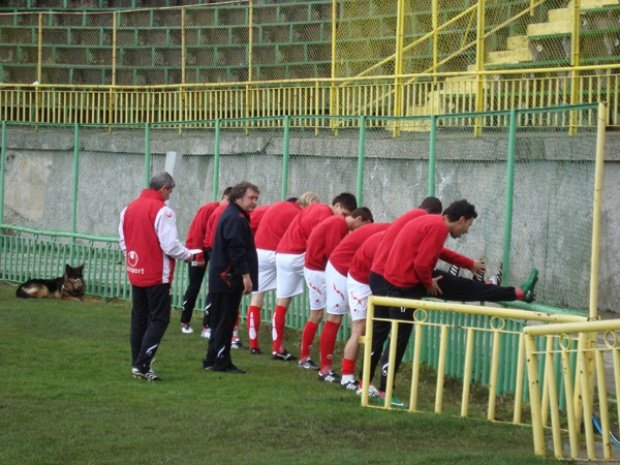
(435, 20)
(76, 173)
(183, 50)
(575, 96)
(432, 156)
(2, 169)
(361, 154)
(147, 155)
(285, 156)
(510, 181)
(332, 87)
(216, 159)
(480, 66)
(248, 85)
(596, 209)
(398, 68)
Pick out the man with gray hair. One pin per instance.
(150, 243)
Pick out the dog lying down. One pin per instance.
(69, 286)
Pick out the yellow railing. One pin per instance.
(451, 335)
(361, 96)
(585, 398)
(179, 44)
(592, 351)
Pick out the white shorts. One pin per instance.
(316, 288)
(358, 298)
(266, 270)
(336, 285)
(290, 275)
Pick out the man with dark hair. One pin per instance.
(149, 241)
(324, 238)
(196, 271)
(233, 272)
(410, 268)
(290, 261)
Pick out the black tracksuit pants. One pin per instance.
(150, 316)
(195, 276)
(454, 288)
(224, 310)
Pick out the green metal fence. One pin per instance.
(62, 188)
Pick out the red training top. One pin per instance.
(198, 225)
(381, 255)
(359, 269)
(323, 240)
(342, 255)
(416, 250)
(274, 223)
(256, 216)
(149, 240)
(209, 237)
(296, 235)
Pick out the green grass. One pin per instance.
(66, 397)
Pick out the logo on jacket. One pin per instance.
(132, 258)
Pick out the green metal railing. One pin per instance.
(30, 252)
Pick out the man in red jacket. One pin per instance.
(196, 272)
(150, 243)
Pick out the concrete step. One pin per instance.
(544, 29)
(510, 56)
(594, 3)
(517, 42)
(560, 15)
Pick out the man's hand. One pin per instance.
(434, 288)
(247, 284)
(479, 267)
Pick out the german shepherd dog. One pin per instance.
(69, 286)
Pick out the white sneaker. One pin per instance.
(186, 328)
(205, 333)
(373, 392)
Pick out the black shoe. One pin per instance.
(230, 369)
(330, 377)
(284, 356)
(255, 351)
(308, 364)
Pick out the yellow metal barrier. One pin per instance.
(361, 96)
(240, 60)
(590, 350)
(446, 331)
(576, 398)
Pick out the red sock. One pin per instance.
(253, 325)
(519, 293)
(307, 338)
(348, 366)
(327, 344)
(279, 320)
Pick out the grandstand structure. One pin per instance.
(134, 61)
(505, 102)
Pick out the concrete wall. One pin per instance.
(552, 204)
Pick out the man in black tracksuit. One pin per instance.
(233, 272)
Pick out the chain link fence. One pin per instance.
(241, 41)
(533, 191)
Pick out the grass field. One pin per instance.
(66, 397)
